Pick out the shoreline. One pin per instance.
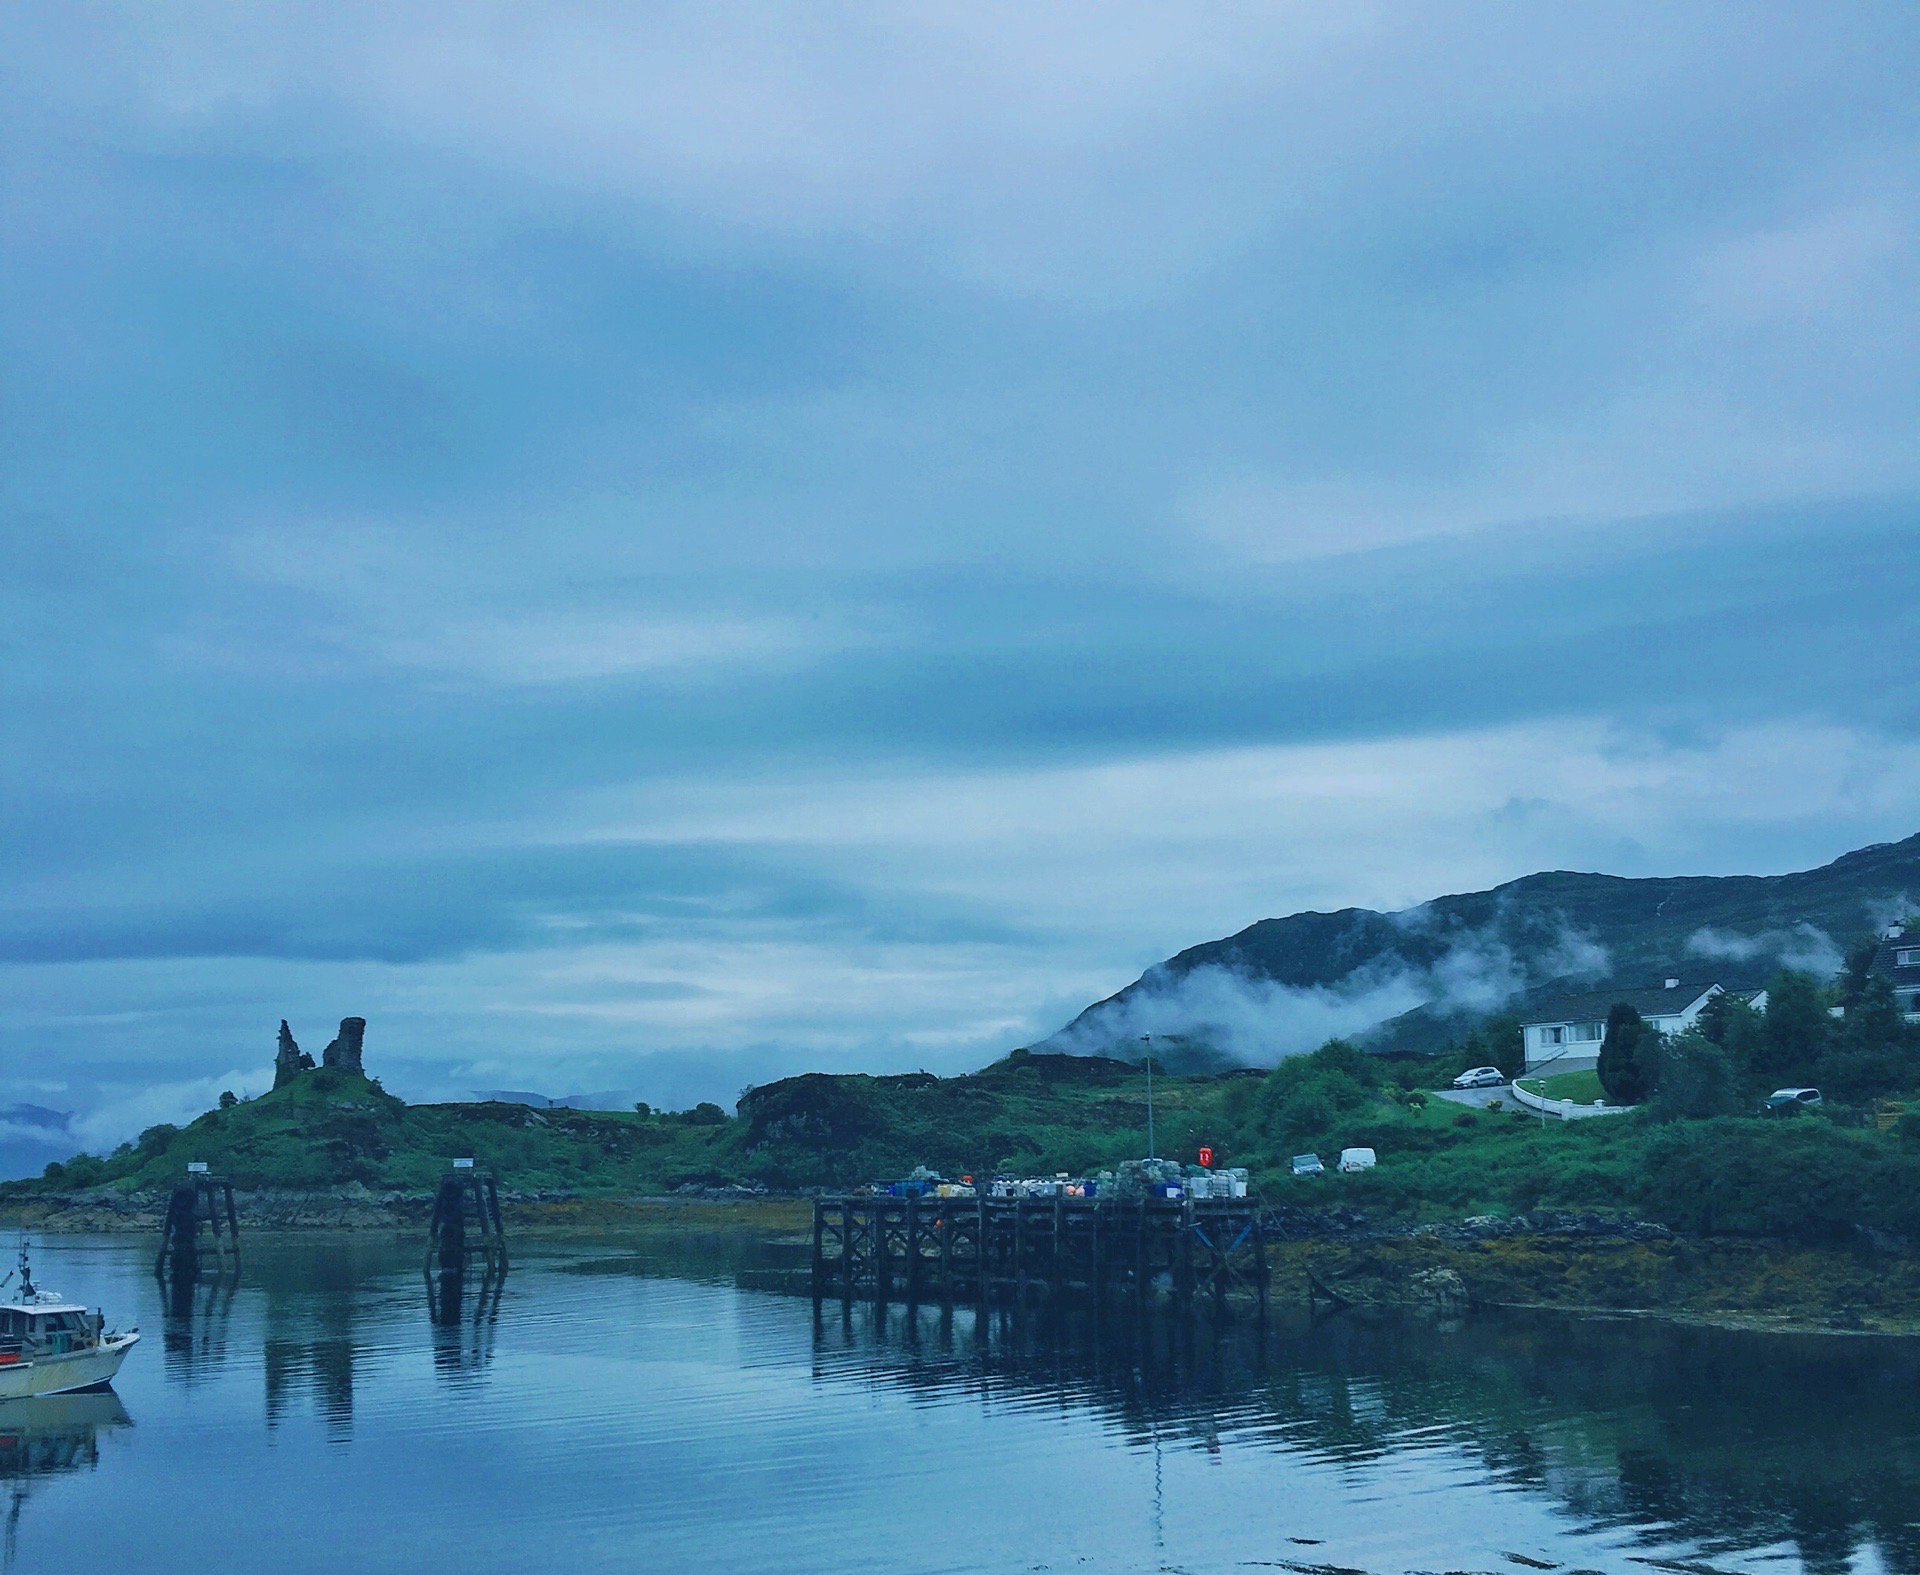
(1568, 1264)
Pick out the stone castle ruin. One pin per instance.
(290, 1060)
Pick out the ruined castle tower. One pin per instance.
(344, 1052)
(289, 1062)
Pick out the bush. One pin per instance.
(706, 1114)
(1806, 1179)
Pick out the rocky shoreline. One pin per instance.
(359, 1207)
(1548, 1259)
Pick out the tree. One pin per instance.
(228, 1099)
(1499, 1041)
(1693, 1077)
(1871, 1050)
(642, 1109)
(1733, 1023)
(1857, 970)
(1797, 1027)
(1622, 1074)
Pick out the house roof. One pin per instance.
(1593, 1005)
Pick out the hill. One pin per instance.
(1415, 979)
(328, 1127)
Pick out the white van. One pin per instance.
(1352, 1159)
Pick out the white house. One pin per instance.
(1567, 1030)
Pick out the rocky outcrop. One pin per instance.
(289, 1062)
(344, 1052)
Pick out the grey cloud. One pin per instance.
(1258, 1021)
(1806, 947)
(419, 443)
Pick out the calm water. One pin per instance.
(638, 1411)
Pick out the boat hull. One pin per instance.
(93, 1368)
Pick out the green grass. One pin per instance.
(1583, 1088)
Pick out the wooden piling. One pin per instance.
(985, 1250)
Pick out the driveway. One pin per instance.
(1477, 1098)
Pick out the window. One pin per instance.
(1589, 1033)
(1907, 957)
(1553, 1036)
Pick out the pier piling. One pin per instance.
(200, 1217)
(1046, 1250)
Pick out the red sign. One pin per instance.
(1206, 1158)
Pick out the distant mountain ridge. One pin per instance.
(1414, 979)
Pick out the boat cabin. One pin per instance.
(45, 1329)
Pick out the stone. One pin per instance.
(344, 1052)
(1442, 1290)
(289, 1061)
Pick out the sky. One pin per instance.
(660, 546)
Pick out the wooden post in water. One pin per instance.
(819, 1261)
(913, 1249)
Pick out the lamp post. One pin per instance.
(1147, 1039)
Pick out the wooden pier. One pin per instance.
(1037, 1251)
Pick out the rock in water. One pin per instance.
(344, 1052)
(288, 1061)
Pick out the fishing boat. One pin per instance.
(49, 1346)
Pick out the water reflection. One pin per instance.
(194, 1332)
(464, 1311)
(1721, 1440)
(313, 1305)
(46, 1438)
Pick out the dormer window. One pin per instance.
(1907, 957)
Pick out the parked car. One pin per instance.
(1785, 1099)
(1481, 1077)
(1308, 1165)
(1352, 1159)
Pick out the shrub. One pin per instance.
(1805, 1179)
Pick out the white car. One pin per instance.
(1481, 1077)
